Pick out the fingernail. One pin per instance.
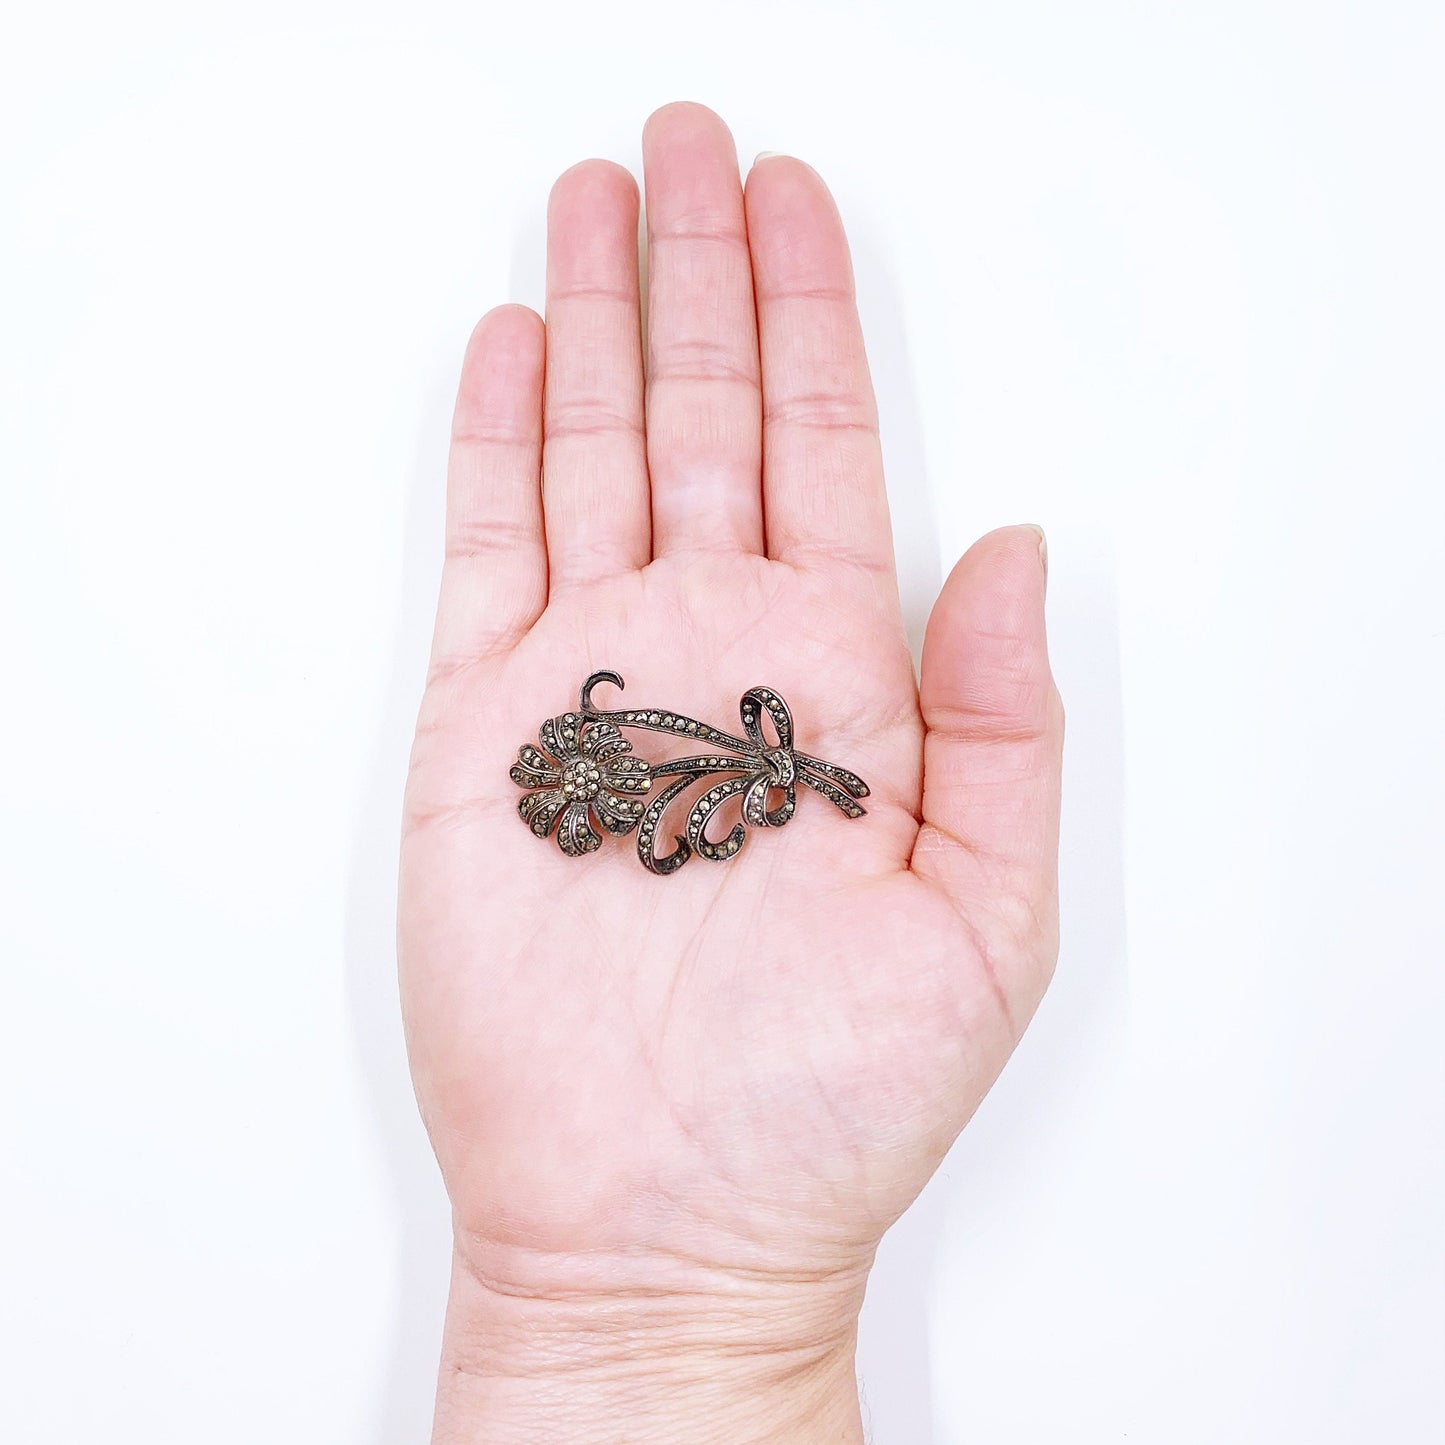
(1043, 544)
(767, 156)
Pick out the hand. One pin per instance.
(675, 1115)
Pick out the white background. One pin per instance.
(1165, 278)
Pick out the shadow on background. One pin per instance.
(421, 1261)
(910, 503)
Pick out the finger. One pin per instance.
(594, 466)
(703, 407)
(823, 497)
(993, 750)
(494, 578)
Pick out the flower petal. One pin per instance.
(617, 815)
(626, 774)
(550, 736)
(532, 770)
(539, 810)
(603, 740)
(575, 833)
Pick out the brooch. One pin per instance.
(583, 776)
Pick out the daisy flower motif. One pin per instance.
(581, 775)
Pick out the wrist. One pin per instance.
(630, 1357)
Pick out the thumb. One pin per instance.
(993, 754)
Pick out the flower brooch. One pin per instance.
(582, 776)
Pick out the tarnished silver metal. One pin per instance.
(582, 775)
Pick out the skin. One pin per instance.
(676, 1115)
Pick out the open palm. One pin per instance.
(746, 1070)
